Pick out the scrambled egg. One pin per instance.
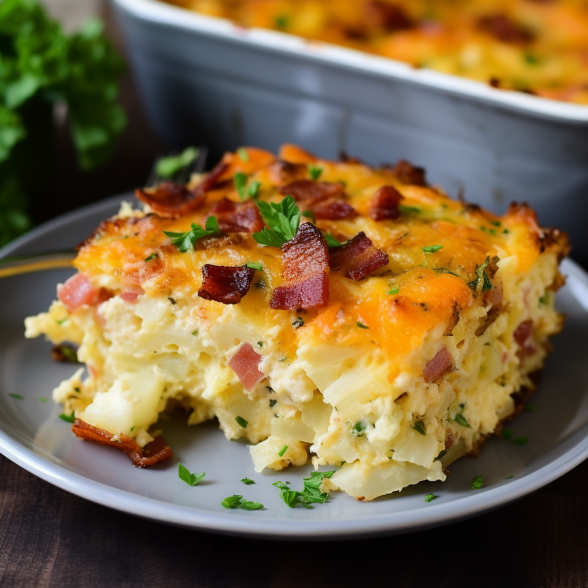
(352, 384)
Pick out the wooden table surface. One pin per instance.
(50, 538)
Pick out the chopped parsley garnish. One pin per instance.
(432, 248)
(42, 400)
(62, 321)
(299, 322)
(185, 241)
(260, 343)
(282, 219)
(186, 476)
(482, 277)
(77, 389)
(283, 450)
(166, 167)
(68, 418)
(246, 192)
(507, 436)
(272, 402)
(314, 171)
(477, 482)
(509, 477)
(17, 396)
(195, 333)
(242, 153)
(241, 421)
(172, 300)
(309, 214)
(543, 300)
(394, 291)
(152, 256)
(460, 419)
(506, 231)
(237, 501)
(430, 497)
(282, 21)
(255, 265)
(441, 454)
(529, 408)
(247, 481)
(310, 494)
(495, 223)
(530, 58)
(521, 440)
(331, 241)
(419, 427)
(283, 359)
(362, 326)
(358, 429)
(409, 209)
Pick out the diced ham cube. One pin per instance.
(77, 292)
(245, 364)
(437, 367)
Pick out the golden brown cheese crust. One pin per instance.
(532, 46)
(434, 248)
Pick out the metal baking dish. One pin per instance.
(205, 80)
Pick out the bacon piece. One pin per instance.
(333, 209)
(385, 204)
(306, 266)
(505, 29)
(437, 367)
(495, 295)
(225, 284)
(130, 295)
(523, 332)
(357, 258)
(311, 192)
(387, 16)
(171, 199)
(237, 217)
(410, 174)
(245, 364)
(141, 457)
(282, 172)
(77, 292)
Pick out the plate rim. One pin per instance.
(243, 525)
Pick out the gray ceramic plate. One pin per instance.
(32, 435)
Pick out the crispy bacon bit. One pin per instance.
(385, 203)
(225, 284)
(311, 192)
(245, 364)
(505, 29)
(523, 332)
(437, 367)
(387, 16)
(333, 209)
(489, 319)
(237, 217)
(495, 295)
(306, 265)
(173, 199)
(357, 258)
(283, 172)
(77, 292)
(410, 174)
(141, 457)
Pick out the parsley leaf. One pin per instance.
(362, 326)
(394, 291)
(282, 21)
(509, 477)
(185, 241)
(68, 418)
(256, 265)
(477, 482)
(272, 402)
(17, 396)
(310, 494)
(283, 450)
(242, 421)
(186, 476)
(482, 277)
(430, 497)
(246, 192)
(507, 434)
(242, 153)
(314, 171)
(42, 400)
(409, 209)
(237, 501)
(331, 241)
(521, 440)
(309, 214)
(460, 419)
(282, 219)
(247, 481)
(432, 248)
(419, 427)
(167, 167)
(152, 256)
(248, 505)
(358, 429)
(529, 408)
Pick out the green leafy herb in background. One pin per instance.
(282, 219)
(41, 65)
(169, 166)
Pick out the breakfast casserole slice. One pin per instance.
(315, 308)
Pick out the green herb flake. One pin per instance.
(461, 420)
(432, 248)
(247, 481)
(283, 359)
(409, 209)
(430, 497)
(42, 400)
(167, 167)
(282, 219)
(242, 153)
(272, 402)
(393, 292)
(195, 333)
(172, 300)
(62, 321)
(521, 440)
(507, 434)
(544, 300)
(151, 257)
(282, 21)
(260, 344)
(283, 450)
(477, 482)
(186, 476)
(299, 322)
(506, 231)
(531, 58)
(311, 494)
(68, 418)
(185, 241)
(419, 427)
(245, 191)
(358, 429)
(441, 454)
(331, 241)
(509, 477)
(362, 326)
(17, 396)
(314, 171)
(242, 422)
(309, 214)
(254, 265)
(496, 223)
(481, 277)
(237, 501)
(529, 408)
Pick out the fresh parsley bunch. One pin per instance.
(41, 63)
